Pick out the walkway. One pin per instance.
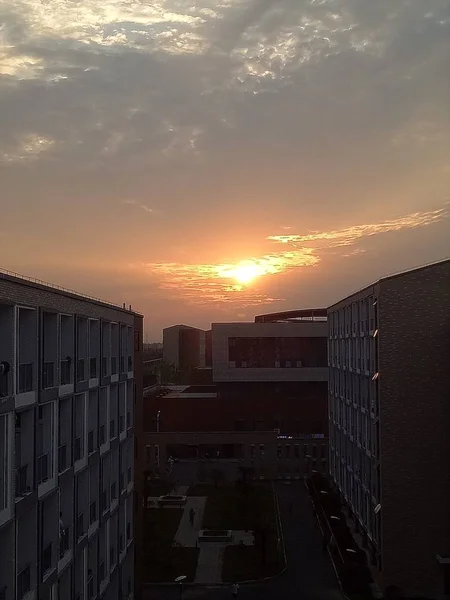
(309, 576)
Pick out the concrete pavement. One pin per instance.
(309, 576)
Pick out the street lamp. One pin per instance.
(180, 580)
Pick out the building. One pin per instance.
(184, 347)
(267, 406)
(68, 367)
(389, 412)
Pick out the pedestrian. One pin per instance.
(235, 589)
(192, 517)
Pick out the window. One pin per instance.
(297, 451)
(287, 451)
(23, 582)
(25, 377)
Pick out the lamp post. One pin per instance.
(180, 580)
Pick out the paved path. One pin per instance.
(209, 566)
(187, 534)
(309, 576)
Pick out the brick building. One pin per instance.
(389, 414)
(68, 396)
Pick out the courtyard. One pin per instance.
(246, 513)
(309, 572)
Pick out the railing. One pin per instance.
(25, 377)
(42, 467)
(48, 375)
(64, 541)
(62, 458)
(93, 368)
(80, 370)
(46, 559)
(21, 481)
(64, 372)
(23, 582)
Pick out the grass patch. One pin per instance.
(162, 561)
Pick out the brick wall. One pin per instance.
(414, 364)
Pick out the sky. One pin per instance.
(209, 161)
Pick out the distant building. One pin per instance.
(267, 405)
(70, 370)
(184, 346)
(389, 415)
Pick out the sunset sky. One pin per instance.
(210, 160)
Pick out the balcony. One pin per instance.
(23, 582)
(48, 375)
(25, 378)
(62, 458)
(80, 370)
(93, 368)
(22, 486)
(78, 454)
(43, 467)
(65, 371)
(64, 541)
(46, 559)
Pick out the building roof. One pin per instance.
(393, 276)
(57, 289)
(306, 314)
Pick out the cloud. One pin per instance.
(144, 207)
(222, 284)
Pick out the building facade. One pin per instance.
(389, 410)
(184, 347)
(67, 402)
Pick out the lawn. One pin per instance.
(247, 507)
(164, 562)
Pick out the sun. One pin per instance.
(246, 272)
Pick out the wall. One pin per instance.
(414, 311)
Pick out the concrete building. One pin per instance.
(184, 347)
(389, 412)
(67, 402)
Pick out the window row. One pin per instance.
(360, 316)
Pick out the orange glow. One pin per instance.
(244, 272)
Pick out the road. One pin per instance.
(309, 576)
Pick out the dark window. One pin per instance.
(62, 458)
(113, 365)
(65, 372)
(112, 556)
(93, 368)
(25, 377)
(101, 571)
(102, 434)
(78, 449)
(113, 491)
(93, 512)
(48, 375)
(128, 532)
(42, 468)
(21, 480)
(90, 442)
(80, 369)
(23, 582)
(80, 525)
(64, 541)
(121, 423)
(112, 428)
(46, 559)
